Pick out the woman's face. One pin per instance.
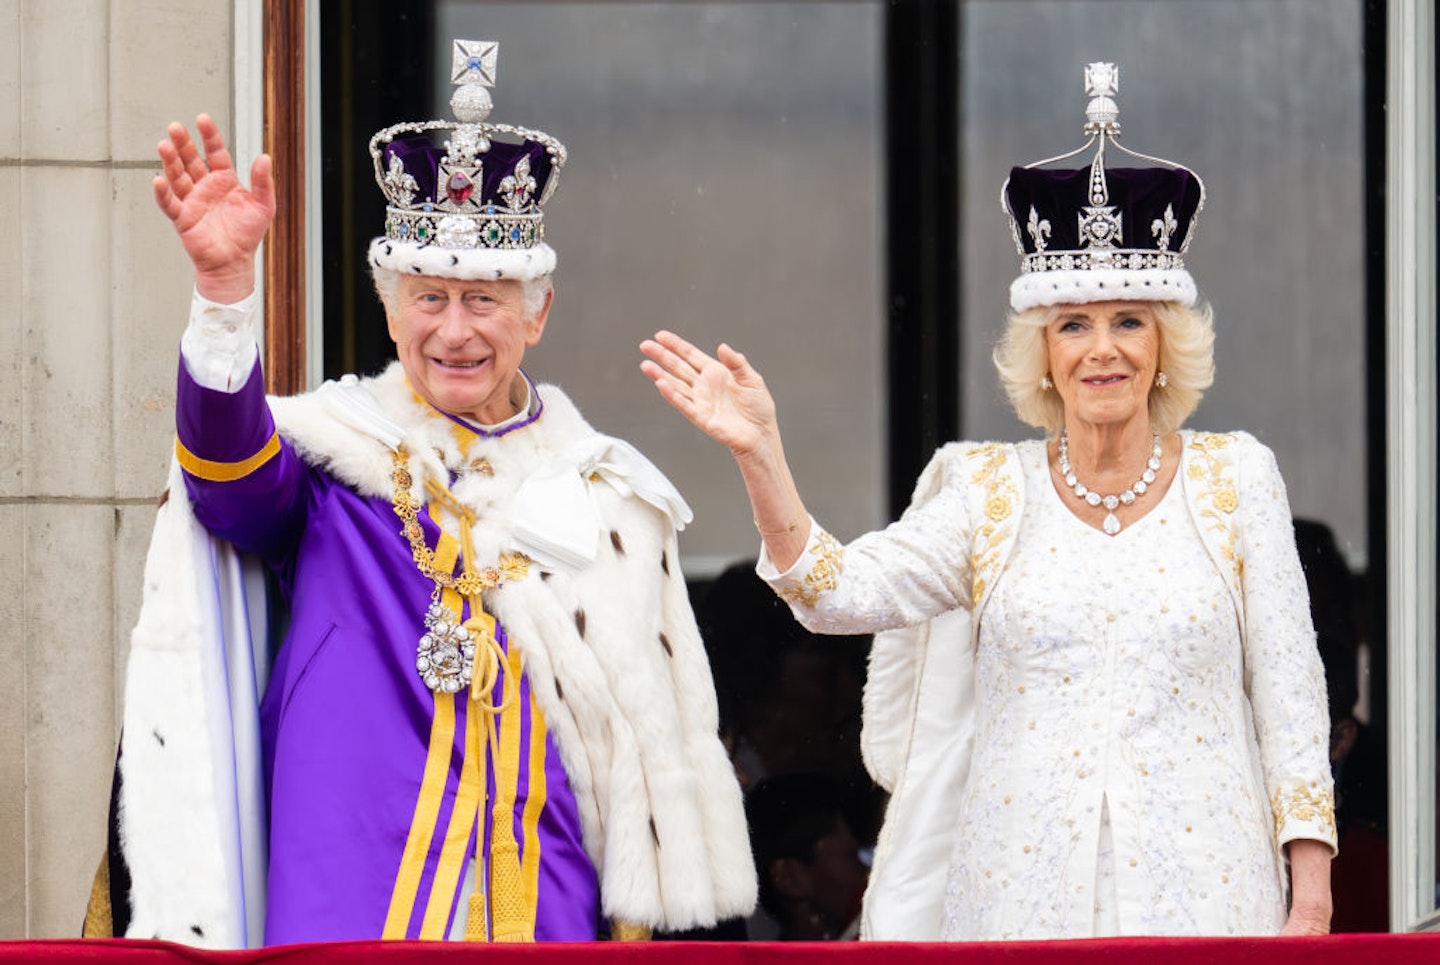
(1103, 357)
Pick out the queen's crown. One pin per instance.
(473, 191)
(1099, 232)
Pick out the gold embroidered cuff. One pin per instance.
(823, 573)
(226, 471)
(1309, 807)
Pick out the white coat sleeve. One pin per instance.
(1284, 677)
(914, 569)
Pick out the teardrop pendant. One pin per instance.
(1111, 524)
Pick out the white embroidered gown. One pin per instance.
(1112, 790)
(1117, 785)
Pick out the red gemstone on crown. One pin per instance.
(459, 188)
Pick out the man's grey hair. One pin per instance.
(387, 286)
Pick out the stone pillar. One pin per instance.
(94, 291)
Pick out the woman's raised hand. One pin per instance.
(219, 220)
(723, 396)
(728, 401)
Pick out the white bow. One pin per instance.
(557, 522)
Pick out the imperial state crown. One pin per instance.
(464, 198)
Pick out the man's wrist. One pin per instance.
(226, 288)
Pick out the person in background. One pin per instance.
(789, 698)
(812, 876)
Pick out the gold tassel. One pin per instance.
(624, 931)
(475, 926)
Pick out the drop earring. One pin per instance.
(1045, 383)
(1162, 380)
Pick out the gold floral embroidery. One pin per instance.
(823, 572)
(1000, 499)
(1304, 804)
(1217, 499)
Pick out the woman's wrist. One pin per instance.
(1310, 898)
(790, 528)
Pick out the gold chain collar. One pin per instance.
(446, 654)
(470, 582)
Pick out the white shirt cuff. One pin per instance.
(219, 346)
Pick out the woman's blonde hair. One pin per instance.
(1187, 357)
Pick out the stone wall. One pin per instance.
(93, 296)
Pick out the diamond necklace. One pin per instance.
(1124, 497)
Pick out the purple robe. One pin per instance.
(346, 721)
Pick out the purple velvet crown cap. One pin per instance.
(421, 157)
(1140, 196)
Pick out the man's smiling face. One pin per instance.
(461, 342)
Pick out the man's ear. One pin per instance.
(535, 325)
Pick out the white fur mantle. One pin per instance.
(612, 652)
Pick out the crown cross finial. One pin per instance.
(472, 70)
(473, 62)
(1102, 114)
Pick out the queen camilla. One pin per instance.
(1096, 689)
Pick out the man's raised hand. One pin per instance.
(220, 221)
